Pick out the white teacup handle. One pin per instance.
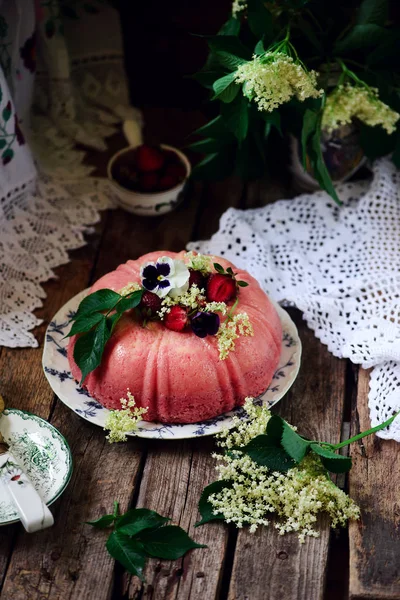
(33, 512)
(133, 132)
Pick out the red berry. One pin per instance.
(197, 278)
(221, 288)
(148, 182)
(168, 182)
(176, 319)
(178, 171)
(150, 302)
(149, 158)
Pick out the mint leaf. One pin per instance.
(373, 11)
(225, 88)
(205, 506)
(128, 552)
(96, 302)
(169, 542)
(242, 283)
(335, 463)
(219, 269)
(139, 519)
(228, 60)
(266, 453)
(131, 301)
(102, 522)
(231, 27)
(84, 324)
(89, 348)
(294, 445)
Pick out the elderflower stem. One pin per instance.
(116, 507)
(365, 433)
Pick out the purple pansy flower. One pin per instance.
(205, 323)
(165, 276)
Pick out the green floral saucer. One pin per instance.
(41, 451)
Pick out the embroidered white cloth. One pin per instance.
(339, 265)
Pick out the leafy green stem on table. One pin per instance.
(140, 534)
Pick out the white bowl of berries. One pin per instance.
(149, 180)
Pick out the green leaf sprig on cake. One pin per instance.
(182, 294)
(269, 469)
(140, 534)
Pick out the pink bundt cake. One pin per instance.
(177, 376)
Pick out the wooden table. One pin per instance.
(328, 401)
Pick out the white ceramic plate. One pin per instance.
(57, 371)
(41, 451)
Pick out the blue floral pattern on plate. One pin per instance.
(57, 371)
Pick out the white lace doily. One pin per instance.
(339, 265)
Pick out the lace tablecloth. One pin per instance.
(340, 266)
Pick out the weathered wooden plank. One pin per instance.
(268, 566)
(374, 485)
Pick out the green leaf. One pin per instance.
(242, 283)
(103, 522)
(335, 463)
(138, 519)
(375, 141)
(259, 19)
(309, 34)
(3, 143)
(265, 451)
(213, 128)
(310, 125)
(205, 506)
(169, 542)
(320, 171)
(236, 117)
(231, 27)
(219, 268)
(215, 166)
(89, 348)
(206, 146)
(225, 88)
(387, 50)
(6, 113)
(231, 44)
(294, 445)
(128, 552)
(272, 119)
(259, 49)
(96, 302)
(360, 37)
(373, 11)
(112, 320)
(85, 323)
(230, 61)
(129, 302)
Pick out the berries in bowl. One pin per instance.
(149, 180)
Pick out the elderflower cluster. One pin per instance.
(120, 422)
(274, 78)
(129, 288)
(348, 102)
(238, 6)
(191, 299)
(295, 497)
(199, 262)
(216, 307)
(230, 330)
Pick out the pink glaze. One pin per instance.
(179, 377)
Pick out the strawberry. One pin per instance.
(149, 158)
(148, 182)
(150, 304)
(221, 288)
(197, 278)
(167, 182)
(176, 319)
(177, 170)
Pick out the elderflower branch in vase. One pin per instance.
(269, 70)
(269, 469)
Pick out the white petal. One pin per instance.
(178, 291)
(180, 275)
(148, 264)
(161, 292)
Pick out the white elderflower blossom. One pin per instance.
(129, 288)
(199, 262)
(190, 299)
(230, 330)
(120, 422)
(295, 497)
(348, 102)
(216, 307)
(238, 6)
(275, 78)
